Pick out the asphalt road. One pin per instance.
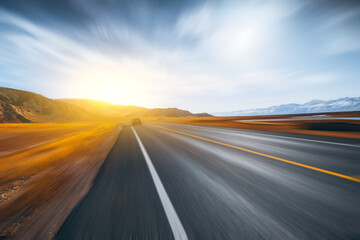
(221, 183)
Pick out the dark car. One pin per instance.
(136, 121)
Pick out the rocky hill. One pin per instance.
(23, 106)
(103, 109)
(166, 112)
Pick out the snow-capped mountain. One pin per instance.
(314, 106)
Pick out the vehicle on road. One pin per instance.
(136, 121)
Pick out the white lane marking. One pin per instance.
(176, 226)
(240, 132)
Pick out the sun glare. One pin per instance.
(114, 84)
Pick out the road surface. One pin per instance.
(176, 181)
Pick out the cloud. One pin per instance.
(332, 25)
(318, 79)
(185, 53)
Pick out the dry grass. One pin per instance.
(45, 169)
(296, 126)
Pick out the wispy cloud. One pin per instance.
(199, 55)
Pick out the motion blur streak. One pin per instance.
(220, 192)
(45, 169)
(266, 155)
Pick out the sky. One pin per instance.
(198, 55)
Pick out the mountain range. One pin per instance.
(314, 106)
(23, 106)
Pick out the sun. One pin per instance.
(112, 83)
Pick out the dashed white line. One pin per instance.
(175, 223)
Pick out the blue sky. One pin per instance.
(197, 55)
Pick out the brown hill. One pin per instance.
(23, 106)
(166, 112)
(103, 109)
(108, 110)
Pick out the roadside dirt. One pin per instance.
(280, 123)
(45, 170)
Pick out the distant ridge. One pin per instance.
(313, 106)
(167, 112)
(105, 109)
(101, 108)
(22, 106)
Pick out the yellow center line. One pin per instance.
(357, 177)
(265, 155)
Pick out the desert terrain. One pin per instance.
(44, 170)
(342, 124)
